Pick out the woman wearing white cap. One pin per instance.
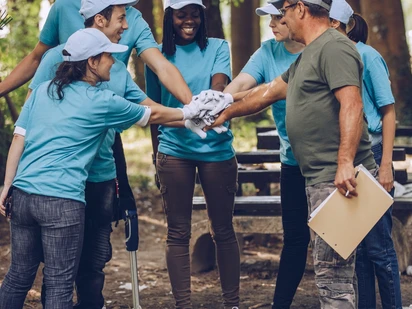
(204, 64)
(376, 255)
(57, 135)
(269, 61)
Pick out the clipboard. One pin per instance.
(344, 222)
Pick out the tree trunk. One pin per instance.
(387, 35)
(245, 33)
(213, 19)
(146, 8)
(355, 4)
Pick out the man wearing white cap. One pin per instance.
(272, 59)
(324, 121)
(376, 251)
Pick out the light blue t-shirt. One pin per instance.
(376, 90)
(121, 83)
(63, 136)
(267, 63)
(197, 69)
(64, 19)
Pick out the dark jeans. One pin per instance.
(43, 227)
(295, 235)
(376, 256)
(97, 250)
(219, 183)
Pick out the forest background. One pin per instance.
(390, 25)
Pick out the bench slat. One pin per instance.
(271, 205)
(259, 156)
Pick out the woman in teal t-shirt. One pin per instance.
(204, 64)
(56, 138)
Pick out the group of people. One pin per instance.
(66, 173)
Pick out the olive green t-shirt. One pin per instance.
(312, 110)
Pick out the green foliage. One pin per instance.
(15, 46)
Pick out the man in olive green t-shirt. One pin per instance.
(324, 121)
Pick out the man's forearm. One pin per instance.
(171, 78)
(351, 125)
(255, 100)
(24, 71)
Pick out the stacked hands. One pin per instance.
(204, 109)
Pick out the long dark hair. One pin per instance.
(359, 29)
(68, 72)
(169, 45)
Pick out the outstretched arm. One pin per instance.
(25, 70)
(168, 74)
(253, 101)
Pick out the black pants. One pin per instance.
(295, 235)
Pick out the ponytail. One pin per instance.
(68, 72)
(359, 29)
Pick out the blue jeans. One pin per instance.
(97, 250)
(376, 256)
(295, 235)
(49, 227)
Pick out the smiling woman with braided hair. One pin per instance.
(205, 64)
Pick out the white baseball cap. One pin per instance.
(178, 4)
(317, 2)
(277, 3)
(89, 42)
(267, 9)
(341, 11)
(89, 8)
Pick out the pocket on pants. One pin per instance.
(325, 256)
(163, 192)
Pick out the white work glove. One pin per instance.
(219, 99)
(197, 125)
(197, 109)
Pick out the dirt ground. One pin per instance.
(258, 277)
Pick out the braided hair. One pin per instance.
(168, 40)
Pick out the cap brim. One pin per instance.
(179, 5)
(125, 2)
(116, 48)
(277, 3)
(267, 9)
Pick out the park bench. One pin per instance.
(261, 213)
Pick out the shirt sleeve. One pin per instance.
(133, 92)
(145, 39)
(377, 83)
(22, 121)
(153, 88)
(49, 35)
(47, 68)
(342, 65)
(222, 60)
(255, 66)
(122, 114)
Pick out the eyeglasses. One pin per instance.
(283, 10)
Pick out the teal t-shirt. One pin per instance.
(121, 83)
(267, 63)
(376, 90)
(64, 19)
(197, 68)
(63, 136)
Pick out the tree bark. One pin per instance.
(245, 33)
(213, 19)
(355, 4)
(387, 35)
